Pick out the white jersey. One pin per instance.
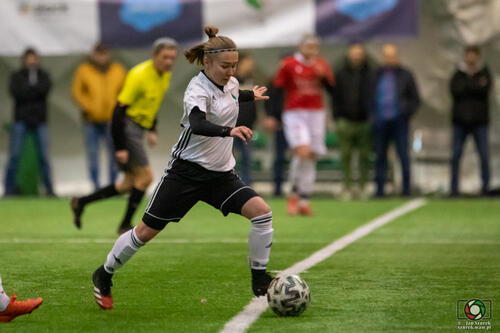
(221, 108)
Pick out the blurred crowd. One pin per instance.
(371, 104)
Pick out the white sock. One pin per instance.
(307, 177)
(125, 247)
(294, 173)
(4, 299)
(260, 241)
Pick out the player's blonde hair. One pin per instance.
(213, 45)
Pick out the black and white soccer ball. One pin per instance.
(288, 295)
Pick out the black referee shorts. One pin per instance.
(134, 143)
(187, 183)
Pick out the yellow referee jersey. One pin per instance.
(143, 93)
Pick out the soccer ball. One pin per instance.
(288, 295)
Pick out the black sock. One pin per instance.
(133, 201)
(103, 193)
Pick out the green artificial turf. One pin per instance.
(405, 276)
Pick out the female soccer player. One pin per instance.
(302, 76)
(201, 167)
(135, 112)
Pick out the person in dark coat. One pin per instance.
(351, 114)
(29, 87)
(273, 125)
(470, 88)
(394, 100)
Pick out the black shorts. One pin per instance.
(186, 183)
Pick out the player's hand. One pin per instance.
(242, 132)
(152, 139)
(320, 69)
(122, 156)
(258, 93)
(270, 124)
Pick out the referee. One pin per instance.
(134, 114)
(201, 167)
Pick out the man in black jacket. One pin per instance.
(29, 87)
(394, 100)
(470, 87)
(351, 114)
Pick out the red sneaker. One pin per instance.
(102, 288)
(18, 308)
(293, 204)
(305, 210)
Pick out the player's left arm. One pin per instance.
(153, 134)
(256, 94)
(325, 74)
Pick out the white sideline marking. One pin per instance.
(258, 305)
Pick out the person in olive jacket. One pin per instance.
(29, 87)
(470, 88)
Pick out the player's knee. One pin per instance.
(144, 180)
(262, 209)
(145, 233)
(303, 152)
(123, 187)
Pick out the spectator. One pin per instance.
(246, 117)
(470, 88)
(350, 112)
(96, 85)
(273, 125)
(394, 100)
(29, 87)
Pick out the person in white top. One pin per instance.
(201, 167)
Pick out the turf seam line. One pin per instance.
(258, 305)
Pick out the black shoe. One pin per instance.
(77, 212)
(260, 282)
(102, 288)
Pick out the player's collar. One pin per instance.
(300, 58)
(221, 88)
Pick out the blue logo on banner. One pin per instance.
(360, 10)
(146, 14)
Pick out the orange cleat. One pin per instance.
(105, 302)
(305, 210)
(102, 288)
(292, 207)
(18, 308)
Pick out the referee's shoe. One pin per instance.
(102, 288)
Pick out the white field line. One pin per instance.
(258, 305)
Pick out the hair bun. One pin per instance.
(211, 31)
